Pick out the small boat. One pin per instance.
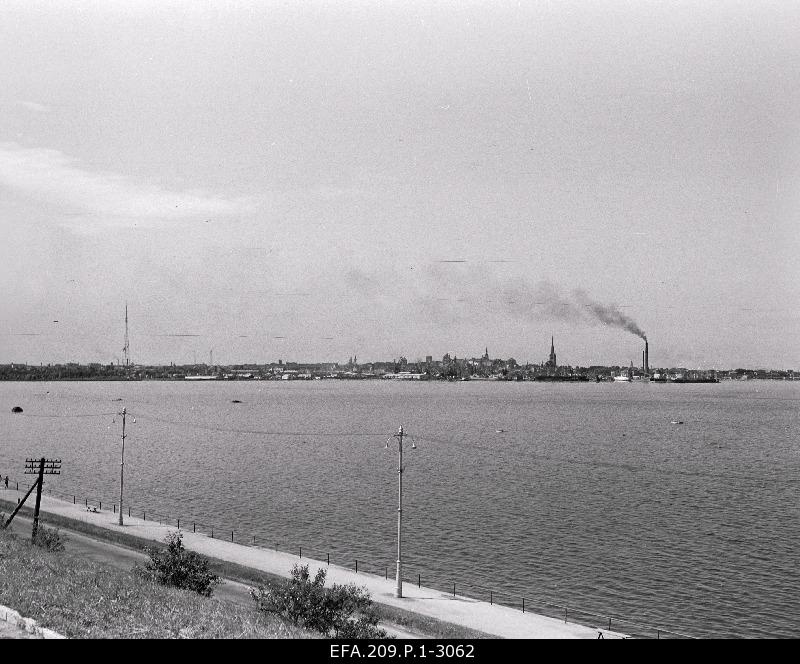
(16, 409)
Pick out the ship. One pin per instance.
(626, 376)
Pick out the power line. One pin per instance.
(71, 415)
(474, 444)
(260, 432)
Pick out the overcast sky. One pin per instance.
(310, 181)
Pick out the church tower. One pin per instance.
(552, 361)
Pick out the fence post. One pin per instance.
(658, 634)
(491, 598)
(386, 572)
(301, 552)
(523, 605)
(87, 502)
(73, 500)
(179, 524)
(254, 540)
(565, 614)
(419, 580)
(129, 511)
(454, 590)
(329, 559)
(212, 532)
(144, 516)
(194, 527)
(356, 567)
(115, 508)
(231, 536)
(609, 623)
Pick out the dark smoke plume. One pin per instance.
(609, 314)
(452, 294)
(546, 300)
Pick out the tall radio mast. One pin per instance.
(126, 348)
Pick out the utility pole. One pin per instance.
(40, 467)
(122, 464)
(399, 435)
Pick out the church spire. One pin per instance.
(551, 362)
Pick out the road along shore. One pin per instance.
(492, 619)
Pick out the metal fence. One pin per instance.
(525, 602)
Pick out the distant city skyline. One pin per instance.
(312, 182)
(549, 362)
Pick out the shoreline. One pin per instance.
(494, 620)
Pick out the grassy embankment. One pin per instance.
(414, 622)
(82, 599)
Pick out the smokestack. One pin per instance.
(646, 359)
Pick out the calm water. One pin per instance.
(589, 496)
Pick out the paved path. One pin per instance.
(494, 620)
(124, 558)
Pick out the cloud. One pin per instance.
(111, 198)
(33, 106)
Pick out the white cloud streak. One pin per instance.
(108, 198)
(34, 106)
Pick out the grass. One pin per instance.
(89, 600)
(413, 622)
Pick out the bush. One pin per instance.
(342, 611)
(176, 567)
(49, 538)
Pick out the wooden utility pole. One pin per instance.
(399, 589)
(399, 435)
(40, 467)
(122, 465)
(38, 500)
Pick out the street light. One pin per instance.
(399, 435)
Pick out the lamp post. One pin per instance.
(122, 465)
(399, 435)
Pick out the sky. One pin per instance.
(309, 181)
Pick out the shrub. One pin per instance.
(49, 538)
(176, 567)
(342, 611)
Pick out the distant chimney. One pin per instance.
(646, 358)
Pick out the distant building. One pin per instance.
(551, 364)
